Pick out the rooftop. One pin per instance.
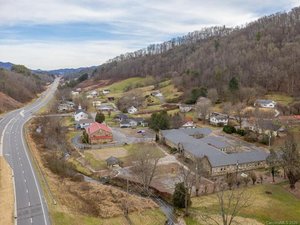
(94, 127)
(211, 146)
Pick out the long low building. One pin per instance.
(220, 155)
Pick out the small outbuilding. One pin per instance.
(112, 161)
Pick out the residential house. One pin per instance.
(218, 119)
(185, 108)
(141, 122)
(106, 91)
(120, 117)
(82, 124)
(132, 110)
(75, 93)
(99, 133)
(66, 106)
(112, 161)
(189, 124)
(96, 103)
(219, 155)
(106, 108)
(267, 127)
(94, 93)
(156, 93)
(80, 114)
(128, 123)
(263, 103)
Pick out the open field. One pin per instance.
(170, 92)
(6, 194)
(283, 99)
(281, 205)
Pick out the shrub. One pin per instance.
(241, 132)
(179, 196)
(251, 137)
(229, 129)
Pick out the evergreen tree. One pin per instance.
(179, 196)
(100, 117)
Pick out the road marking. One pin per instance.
(22, 113)
(25, 180)
(26, 190)
(30, 220)
(29, 204)
(33, 173)
(23, 171)
(2, 137)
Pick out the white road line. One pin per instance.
(23, 171)
(33, 173)
(2, 137)
(29, 204)
(22, 113)
(26, 190)
(31, 220)
(25, 180)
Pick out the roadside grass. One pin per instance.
(278, 206)
(79, 167)
(281, 98)
(149, 217)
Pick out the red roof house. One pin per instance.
(99, 133)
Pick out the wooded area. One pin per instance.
(262, 54)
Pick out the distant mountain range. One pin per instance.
(6, 65)
(62, 72)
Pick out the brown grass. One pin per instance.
(86, 199)
(103, 154)
(6, 194)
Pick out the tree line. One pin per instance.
(262, 54)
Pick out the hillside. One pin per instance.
(262, 54)
(19, 86)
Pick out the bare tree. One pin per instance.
(145, 159)
(238, 111)
(212, 94)
(203, 108)
(231, 203)
(291, 160)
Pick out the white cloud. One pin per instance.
(140, 21)
(53, 55)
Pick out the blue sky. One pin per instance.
(51, 34)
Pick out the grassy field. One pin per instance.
(283, 99)
(124, 85)
(278, 206)
(169, 91)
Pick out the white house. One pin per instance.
(75, 93)
(263, 103)
(84, 123)
(94, 93)
(185, 108)
(156, 93)
(96, 103)
(128, 123)
(106, 91)
(132, 110)
(189, 124)
(80, 114)
(218, 119)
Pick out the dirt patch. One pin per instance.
(7, 103)
(103, 154)
(6, 194)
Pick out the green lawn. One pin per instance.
(278, 206)
(281, 98)
(134, 82)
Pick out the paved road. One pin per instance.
(30, 204)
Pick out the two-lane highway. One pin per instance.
(31, 207)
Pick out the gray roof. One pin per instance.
(85, 121)
(211, 146)
(264, 101)
(79, 111)
(112, 160)
(268, 125)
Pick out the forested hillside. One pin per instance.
(263, 54)
(19, 86)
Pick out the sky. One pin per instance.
(53, 34)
